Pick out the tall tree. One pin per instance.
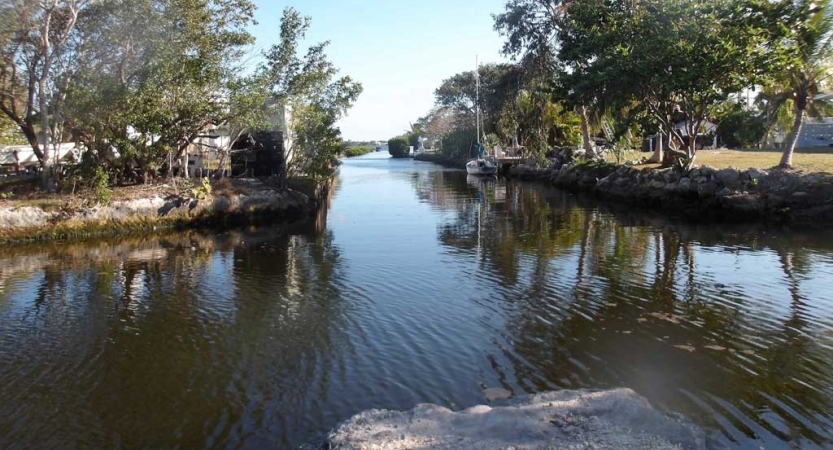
(155, 74)
(679, 59)
(811, 44)
(499, 84)
(34, 39)
(311, 90)
(533, 29)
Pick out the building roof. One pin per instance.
(709, 127)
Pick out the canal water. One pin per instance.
(424, 286)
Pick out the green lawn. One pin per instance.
(811, 160)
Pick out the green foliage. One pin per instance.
(357, 151)
(742, 129)
(316, 97)
(398, 147)
(9, 132)
(621, 147)
(498, 86)
(674, 57)
(460, 142)
(100, 191)
(154, 74)
(203, 190)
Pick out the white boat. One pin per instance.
(481, 166)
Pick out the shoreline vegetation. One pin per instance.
(360, 150)
(702, 193)
(186, 122)
(659, 107)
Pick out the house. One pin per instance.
(22, 157)
(816, 134)
(260, 153)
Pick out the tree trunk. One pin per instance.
(787, 158)
(658, 155)
(589, 147)
(46, 163)
(221, 167)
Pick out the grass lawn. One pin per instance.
(811, 160)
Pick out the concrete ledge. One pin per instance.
(615, 419)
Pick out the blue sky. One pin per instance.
(399, 50)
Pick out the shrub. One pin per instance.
(398, 147)
(357, 151)
(203, 190)
(741, 129)
(460, 143)
(101, 193)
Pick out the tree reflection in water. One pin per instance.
(123, 337)
(606, 298)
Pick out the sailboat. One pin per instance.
(480, 165)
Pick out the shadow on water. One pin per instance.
(730, 326)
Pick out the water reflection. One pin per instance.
(186, 340)
(732, 327)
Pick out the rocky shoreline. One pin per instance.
(702, 193)
(614, 419)
(258, 205)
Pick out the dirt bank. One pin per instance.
(616, 419)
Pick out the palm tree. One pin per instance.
(813, 44)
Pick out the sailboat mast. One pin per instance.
(477, 100)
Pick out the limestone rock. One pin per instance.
(727, 177)
(615, 419)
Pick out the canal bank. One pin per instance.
(701, 194)
(241, 203)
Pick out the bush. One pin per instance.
(101, 193)
(203, 191)
(741, 129)
(460, 143)
(357, 151)
(398, 147)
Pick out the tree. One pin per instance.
(811, 44)
(437, 124)
(498, 84)
(679, 59)
(34, 38)
(154, 75)
(533, 29)
(310, 87)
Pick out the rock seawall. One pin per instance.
(615, 419)
(703, 192)
(258, 205)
